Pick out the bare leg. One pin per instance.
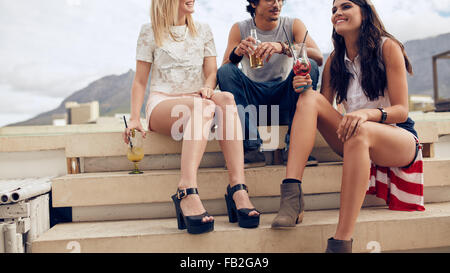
(313, 111)
(383, 144)
(192, 150)
(231, 146)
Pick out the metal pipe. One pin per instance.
(5, 198)
(30, 191)
(10, 238)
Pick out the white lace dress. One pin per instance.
(177, 66)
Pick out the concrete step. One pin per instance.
(324, 201)
(386, 230)
(101, 149)
(109, 144)
(120, 188)
(173, 161)
(105, 152)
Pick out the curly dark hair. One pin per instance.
(251, 10)
(373, 78)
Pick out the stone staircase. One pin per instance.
(116, 212)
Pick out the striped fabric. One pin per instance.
(401, 188)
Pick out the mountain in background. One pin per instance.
(113, 92)
(420, 53)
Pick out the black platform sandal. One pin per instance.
(242, 216)
(194, 224)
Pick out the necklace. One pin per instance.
(177, 37)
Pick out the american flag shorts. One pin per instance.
(401, 188)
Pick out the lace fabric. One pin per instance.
(177, 66)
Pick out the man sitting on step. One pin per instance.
(271, 84)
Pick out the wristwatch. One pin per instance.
(383, 115)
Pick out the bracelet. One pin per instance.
(383, 115)
(234, 58)
(284, 48)
(208, 87)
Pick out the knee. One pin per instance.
(361, 137)
(308, 99)
(226, 71)
(224, 98)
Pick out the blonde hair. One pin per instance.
(164, 14)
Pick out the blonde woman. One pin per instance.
(181, 56)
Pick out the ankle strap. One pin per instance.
(236, 188)
(181, 194)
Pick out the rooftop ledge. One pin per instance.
(101, 140)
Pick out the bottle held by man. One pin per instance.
(255, 62)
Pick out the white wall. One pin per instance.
(32, 164)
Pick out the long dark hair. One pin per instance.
(373, 78)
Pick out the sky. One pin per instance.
(51, 48)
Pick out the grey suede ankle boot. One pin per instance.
(291, 206)
(338, 246)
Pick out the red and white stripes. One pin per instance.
(401, 188)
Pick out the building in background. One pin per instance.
(82, 113)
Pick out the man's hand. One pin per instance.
(267, 49)
(246, 47)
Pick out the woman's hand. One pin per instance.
(133, 124)
(300, 82)
(206, 92)
(350, 124)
